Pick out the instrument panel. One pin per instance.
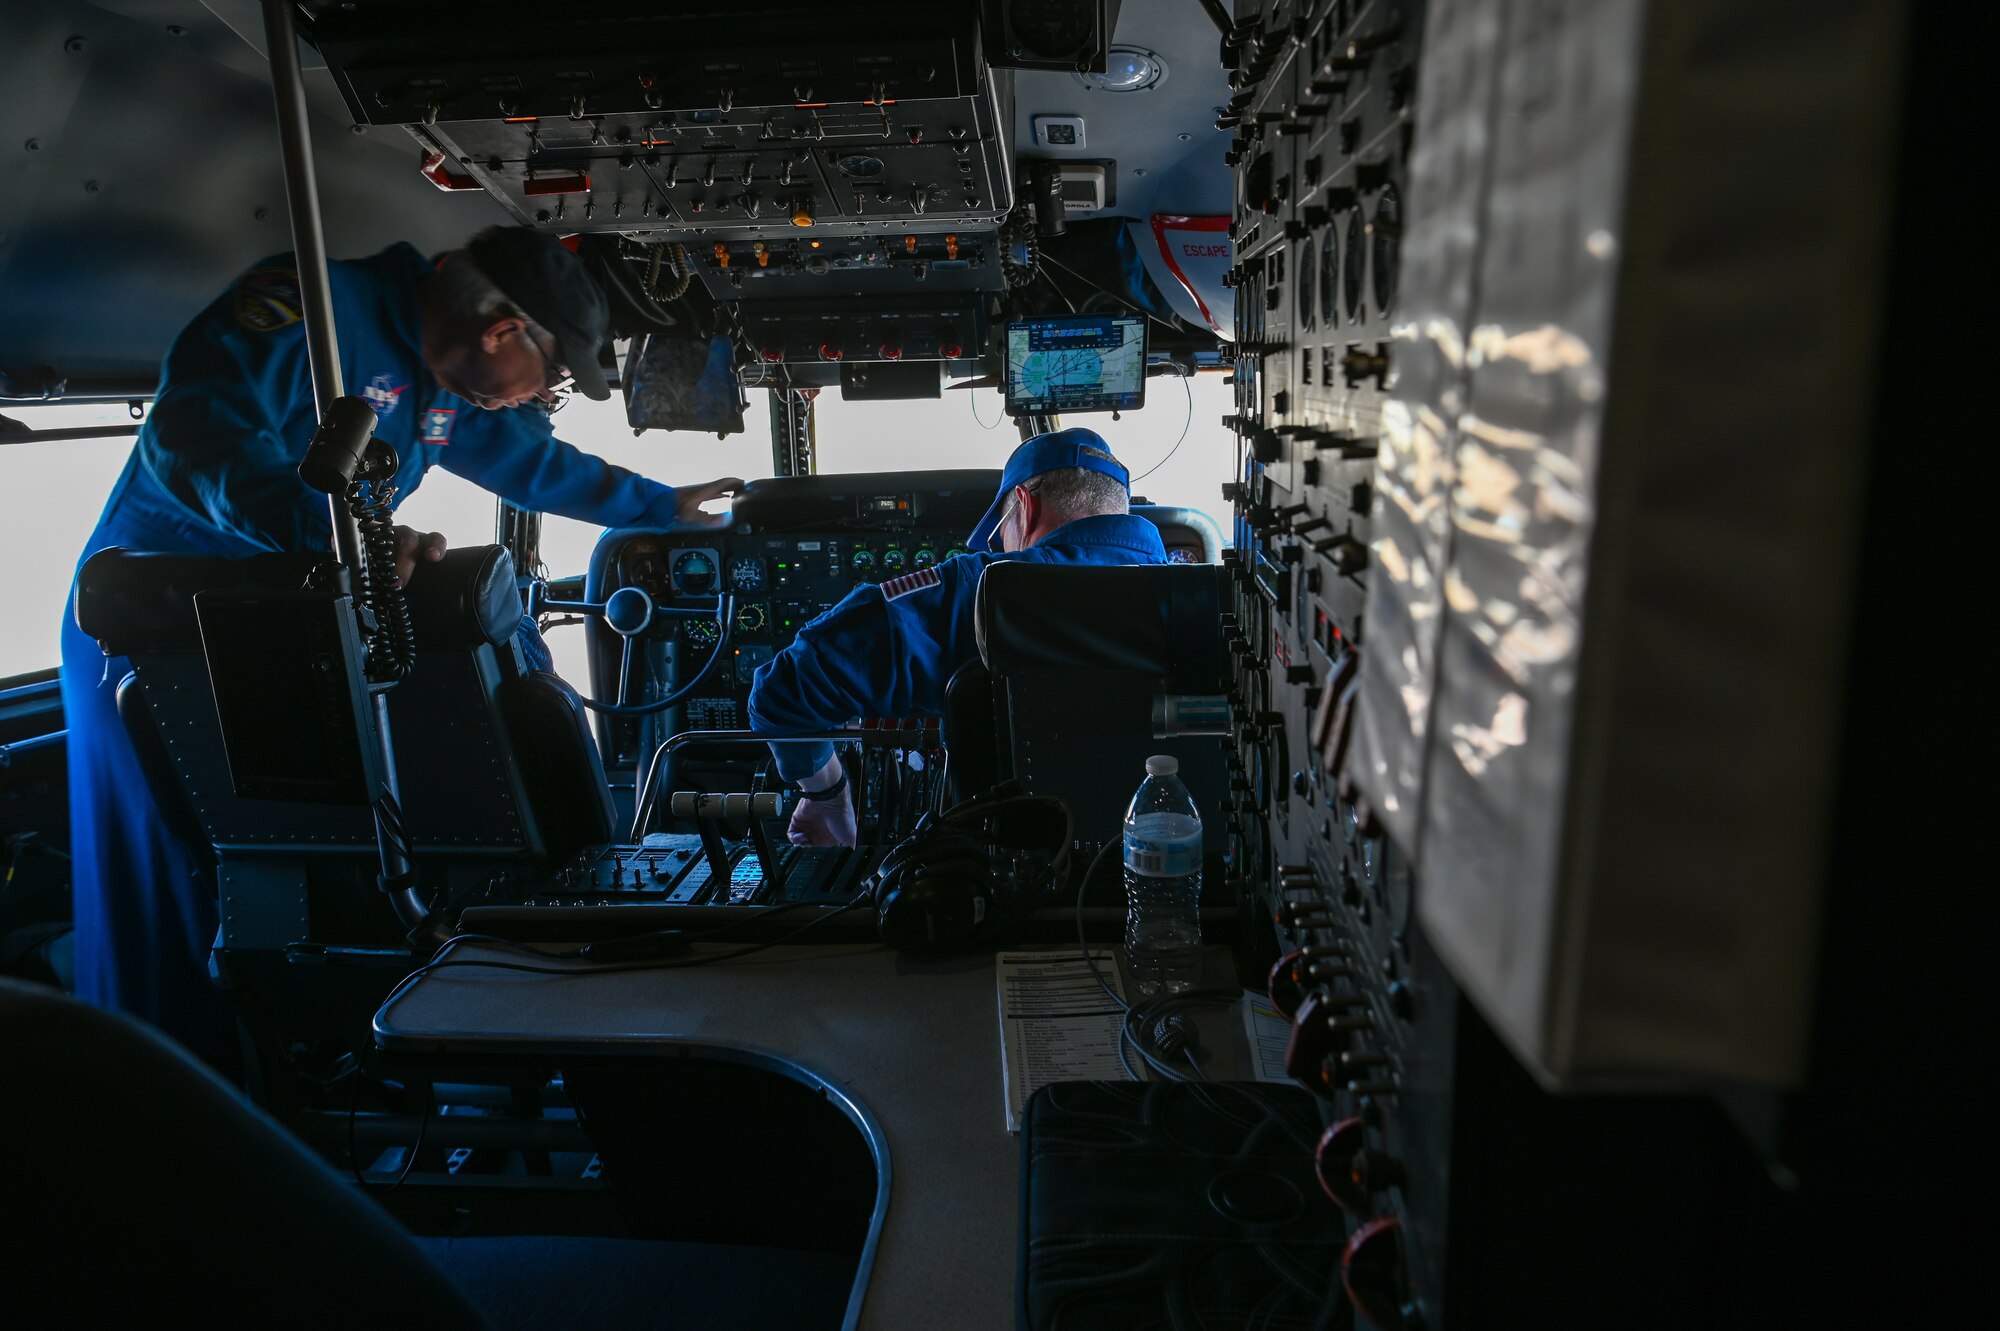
(779, 584)
(794, 548)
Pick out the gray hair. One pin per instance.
(1074, 493)
(471, 303)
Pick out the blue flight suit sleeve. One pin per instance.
(873, 654)
(515, 454)
(234, 410)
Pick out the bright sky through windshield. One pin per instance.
(51, 493)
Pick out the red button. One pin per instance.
(890, 351)
(828, 351)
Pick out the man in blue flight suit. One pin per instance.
(888, 650)
(454, 355)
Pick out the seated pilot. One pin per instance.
(888, 649)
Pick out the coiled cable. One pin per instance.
(392, 648)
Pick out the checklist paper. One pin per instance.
(1056, 1023)
(1268, 1031)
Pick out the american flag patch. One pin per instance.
(910, 582)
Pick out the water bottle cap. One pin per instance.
(1162, 764)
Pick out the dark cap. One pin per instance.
(1061, 450)
(552, 287)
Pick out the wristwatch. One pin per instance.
(831, 792)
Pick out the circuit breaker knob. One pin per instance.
(1371, 1271)
(1309, 1045)
(1333, 1163)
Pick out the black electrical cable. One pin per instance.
(392, 648)
(627, 288)
(1178, 442)
(1112, 296)
(1019, 229)
(409, 1161)
(443, 960)
(1152, 1014)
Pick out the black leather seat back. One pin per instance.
(146, 1181)
(491, 759)
(971, 733)
(1077, 656)
(141, 606)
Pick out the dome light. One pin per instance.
(1127, 69)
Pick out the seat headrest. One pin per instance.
(465, 599)
(135, 601)
(1160, 620)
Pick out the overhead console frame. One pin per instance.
(597, 118)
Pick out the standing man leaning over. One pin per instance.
(459, 357)
(888, 650)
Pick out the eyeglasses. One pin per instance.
(1013, 505)
(555, 378)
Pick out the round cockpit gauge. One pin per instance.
(701, 633)
(1385, 233)
(1180, 554)
(1356, 267)
(642, 571)
(955, 552)
(923, 558)
(694, 573)
(892, 561)
(859, 166)
(751, 618)
(746, 573)
(1329, 276)
(1306, 286)
(862, 561)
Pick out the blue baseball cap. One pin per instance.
(1060, 450)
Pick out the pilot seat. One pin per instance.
(1079, 670)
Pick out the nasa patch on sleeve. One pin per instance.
(437, 424)
(268, 299)
(383, 393)
(910, 582)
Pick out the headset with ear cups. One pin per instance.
(938, 890)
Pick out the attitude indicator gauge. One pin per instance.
(694, 573)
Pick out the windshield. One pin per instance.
(54, 490)
(51, 492)
(1172, 459)
(1170, 447)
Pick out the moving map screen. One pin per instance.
(1076, 363)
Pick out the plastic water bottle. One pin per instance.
(1163, 882)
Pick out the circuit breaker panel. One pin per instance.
(1533, 706)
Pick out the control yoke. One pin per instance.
(629, 612)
